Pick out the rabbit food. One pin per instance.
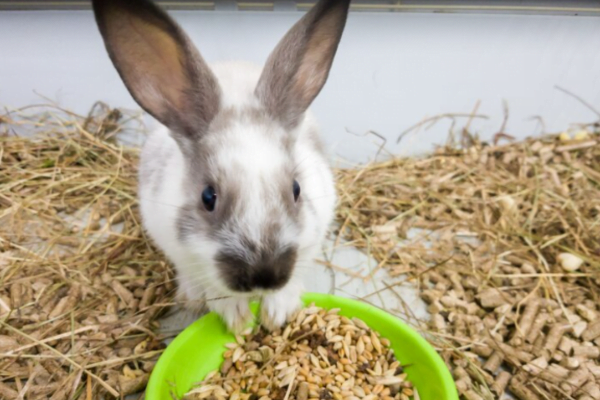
(320, 355)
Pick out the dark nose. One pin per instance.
(268, 272)
(270, 277)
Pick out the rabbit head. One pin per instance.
(249, 209)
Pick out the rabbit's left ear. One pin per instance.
(299, 66)
(158, 63)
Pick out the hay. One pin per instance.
(507, 257)
(80, 288)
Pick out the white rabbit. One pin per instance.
(234, 187)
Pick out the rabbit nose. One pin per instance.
(273, 273)
(267, 273)
(268, 278)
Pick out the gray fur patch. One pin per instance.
(188, 222)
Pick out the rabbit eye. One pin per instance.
(209, 198)
(296, 190)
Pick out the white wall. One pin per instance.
(391, 70)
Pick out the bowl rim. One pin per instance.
(152, 389)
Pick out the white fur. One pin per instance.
(197, 274)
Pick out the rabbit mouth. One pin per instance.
(266, 274)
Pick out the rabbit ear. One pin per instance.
(160, 66)
(298, 67)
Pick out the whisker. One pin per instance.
(163, 204)
(299, 164)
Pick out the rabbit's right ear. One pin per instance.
(160, 66)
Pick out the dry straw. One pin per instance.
(80, 288)
(508, 258)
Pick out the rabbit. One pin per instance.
(235, 187)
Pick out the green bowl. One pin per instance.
(199, 350)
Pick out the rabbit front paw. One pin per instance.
(278, 307)
(235, 312)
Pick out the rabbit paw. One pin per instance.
(278, 307)
(234, 311)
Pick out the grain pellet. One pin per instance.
(310, 358)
